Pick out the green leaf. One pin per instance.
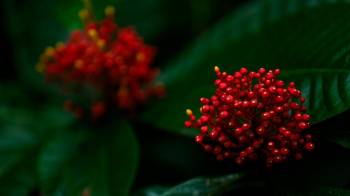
(15, 144)
(22, 182)
(325, 191)
(22, 132)
(327, 166)
(76, 176)
(104, 165)
(116, 161)
(205, 186)
(329, 191)
(56, 154)
(152, 191)
(307, 39)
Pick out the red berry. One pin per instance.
(284, 151)
(188, 123)
(224, 114)
(244, 70)
(199, 139)
(253, 115)
(229, 99)
(112, 61)
(302, 125)
(309, 146)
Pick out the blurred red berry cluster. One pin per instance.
(113, 61)
(253, 116)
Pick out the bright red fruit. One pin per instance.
(253, 115)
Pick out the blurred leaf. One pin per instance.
(22, 182)
(55, 155)
(308, 39)
(116, 161)
(344, 141)
(15, 144)
(327, 166)
(22, 131)
(152, 191)
(205, 186)
(76, 175)
(104, 165)
(331, 192)
(326, 191)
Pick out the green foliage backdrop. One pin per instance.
(44, 150)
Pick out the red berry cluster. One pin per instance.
(114, 62)
(253, 115)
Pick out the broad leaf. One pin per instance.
(205, 186)
(56, 154)
(15, 144)
(22, 182)
(104, 165)
(115, 161)
(307, 39)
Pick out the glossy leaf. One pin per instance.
(270, 34)
(204, 186)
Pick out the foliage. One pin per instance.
(45, 150)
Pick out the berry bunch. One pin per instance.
(114, 62)
(253, 115)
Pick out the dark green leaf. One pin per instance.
(104, 165)
(15, 144)
(205, 186)
(22, 182)
(326, 191)
(327, 166)
(152, 191)
(271, 34)
(116, 161)
(56, 155)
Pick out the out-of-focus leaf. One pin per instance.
(76, 175)
(152, 191)
(328, 166)
(104, 165)
(22, 182)
(56, 154)
(205, 186)
(15, 144)
(116, 161)
(307, 39)
(326, 191)
(22, 132)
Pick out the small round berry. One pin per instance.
(303, 125)
(306, 117)
(199, 139)
(245, 126)
(224, 114)
(262, 70)
(188, 124)
(284, 151)
(309, 146)
(266, 115)
(204, 129)
(243, 70)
